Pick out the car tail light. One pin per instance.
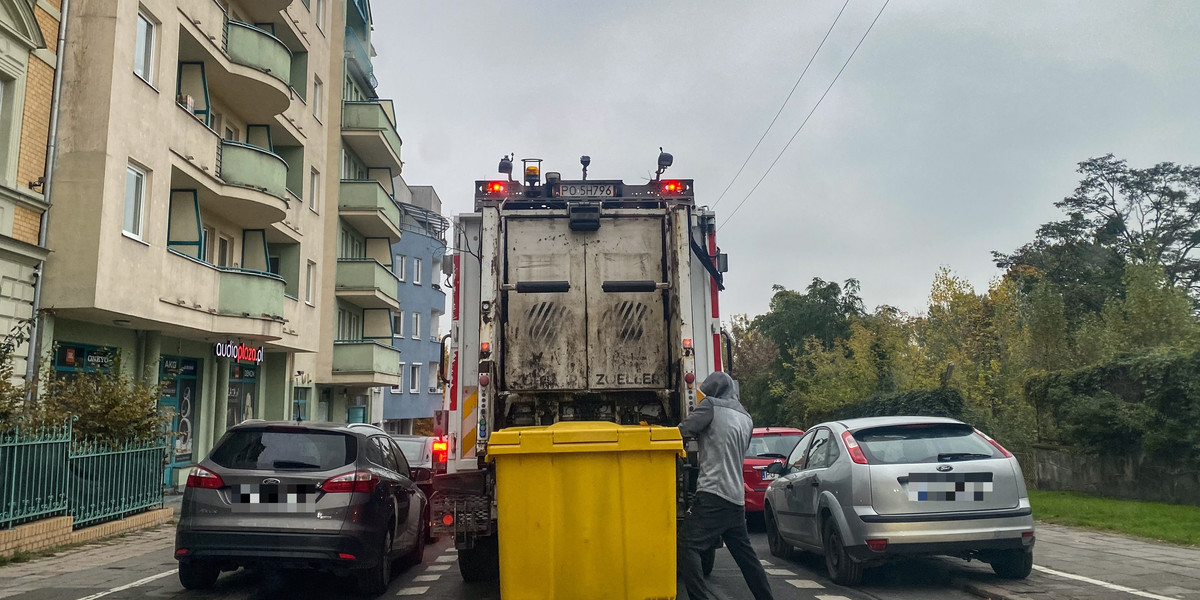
(995, 444)
(204, 479)
(347, 556)
(441, 451)
(182, 552)
(877, 545)
(354, 481)
(856, 453)
(1027, 534)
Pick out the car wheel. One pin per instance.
(481, 563)
(842, 569)
(1013, 564)
(416, 556)
(198, 575)
(374, 581)
(779, 547)
(707, 559)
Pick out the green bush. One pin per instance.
(942, 402)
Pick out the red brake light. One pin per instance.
(856, 453)
(204, 479)
(440, 451)
(877, 545)
(995, 444)
(346, 556)
(354, 481)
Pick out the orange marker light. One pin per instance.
(485, 347)
(687, 344)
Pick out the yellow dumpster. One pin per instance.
(586, 510)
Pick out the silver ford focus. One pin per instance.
(862, 491)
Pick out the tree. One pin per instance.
(1116, 215)
(756, 367)
(823, 312)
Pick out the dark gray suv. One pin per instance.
(289, 495)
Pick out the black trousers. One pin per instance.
(714, 518)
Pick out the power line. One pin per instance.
(810, 114)
(782, 106)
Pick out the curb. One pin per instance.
(986, 590)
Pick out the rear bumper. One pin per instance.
(299, 550)
(946, 533)
(982, 547)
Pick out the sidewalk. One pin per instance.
(1071, 564)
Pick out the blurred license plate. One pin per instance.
(287, 495)
(769, 476)
(949, 487)
(586, 190)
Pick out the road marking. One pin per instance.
(137, 583)
(766, 563)
(446, 559)
(427, 577)
(806, 584)
(438, 568)
(413, 591)
(452, 550)
(784, 572)
(832, 598)
(1104, 584)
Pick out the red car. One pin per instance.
(767, 445)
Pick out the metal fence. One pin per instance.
(44, 472)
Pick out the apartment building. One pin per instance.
(418, 264)
(356, 359)
(28, 57)
(195, 204)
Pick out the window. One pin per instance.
(232, 133)
(818, 453)
(349, 325)
(300, 403)
(400, 388)
(135, 201)
(143, 60)
(414, 379)
(309, 273)
(433, 377)
(210, 236)
(796, 460)
(318, 88)
(314, 189)
(416, 271)
(224, 251)
(416, 330)
(318, 8)
(398, 267)
(398, 324)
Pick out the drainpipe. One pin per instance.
(35, 334)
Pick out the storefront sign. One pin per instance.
(239, 352)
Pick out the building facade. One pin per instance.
(28, 58)
(356, 360)
(418, 264)
(193, 196)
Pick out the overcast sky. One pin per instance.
(950, 134)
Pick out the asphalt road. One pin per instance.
(141, 566)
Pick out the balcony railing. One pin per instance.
(359, 58)
(365, 357)
(249, 293)
(370, 129)
(253, 47)
(253, 167)
(366, 205)
(367, 283)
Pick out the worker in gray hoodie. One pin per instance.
(722, 426)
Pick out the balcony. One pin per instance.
(365, 363)
(255, 48)
(366, 283)
(369, 128)
(246, 293)
(253, 167)
(207, 300)
(366, 206)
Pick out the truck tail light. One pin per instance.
(673, 187)
(856, 453)
(204, 479)
(687, 344)
(495, 187)
(441, 451)
(485, 348)
(995, 444)
(447, 519)
(354, 481)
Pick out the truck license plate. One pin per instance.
(586, 190)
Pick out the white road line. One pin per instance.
(806, 584)
(452, 550)
(142, 581)
(446, 559)
(827, 597)
(427, 577)
(438, 568)
(1104, 584)
(766, 563)
(784, 572)
(413, 591)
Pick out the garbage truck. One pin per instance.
(572, 300)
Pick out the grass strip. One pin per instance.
(1172, 523)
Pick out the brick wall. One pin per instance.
(35, 129)
(26, 224)
(50, 533)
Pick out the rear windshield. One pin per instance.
(923, 443)
(414, 451)
(298, 450)
(772, 446)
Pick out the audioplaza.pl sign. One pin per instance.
(238, 352)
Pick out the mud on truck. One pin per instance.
(573, 300)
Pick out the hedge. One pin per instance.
(942, 402)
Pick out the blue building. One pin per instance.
(417, 263)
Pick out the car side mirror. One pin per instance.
(777, 468)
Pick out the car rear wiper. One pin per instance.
(949, 456)
(293, 464)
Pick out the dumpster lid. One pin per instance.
(585, 436)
